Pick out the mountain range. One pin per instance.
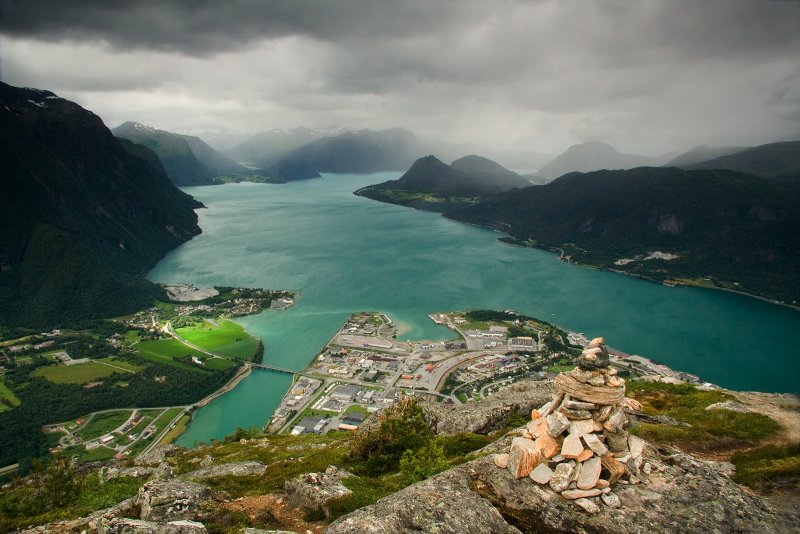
(85, 214)
(187, 160)
(433, 185)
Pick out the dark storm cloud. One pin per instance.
(503, 75)
(199, 27)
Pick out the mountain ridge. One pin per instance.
(433, 185)
(737, 229)
(188, 160)
(90, 214)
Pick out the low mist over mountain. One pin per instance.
(188, 160)
(702, 153)
(265, 148)
(719, 224)
(84, 217)
(364, 151)
(433, 185)
(773, 159)
(592, 156)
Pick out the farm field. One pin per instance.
(164, 350)
(117, 362)
(226, 338)
(75, 374)
(8, 398)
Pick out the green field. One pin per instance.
(226, 339)
(124, 364)
(9, 399)
(75, 374)
(163, 351)
(103, 423)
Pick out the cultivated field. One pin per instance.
(226, 338)
(75, 374)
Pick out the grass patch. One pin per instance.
(81, 373)
(124, 364)
(710, 431)
(7, 398)
(166, 350)
(559, 368)
(769, 467)
(355, 409)
(177, 430)
(226, 339)
(219, 364)
(103, 423)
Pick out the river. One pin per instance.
(345, 253)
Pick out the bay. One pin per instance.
(345, 253)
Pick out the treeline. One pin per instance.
(45, 402)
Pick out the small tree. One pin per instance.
(427, 461)
(402, 427)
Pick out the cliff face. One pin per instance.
(82, 217)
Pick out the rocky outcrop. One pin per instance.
(234, 469)
(121, 525)
(314, 491)
(680, 494)
(111, 472)
(157, 455)
(445, 504)
(170, 500)
(489, 414)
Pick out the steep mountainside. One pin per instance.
(186, 159)
(739, 230)
(83, 217)
(702, 153)
(356, 152)
(773, 159)
(433, 185)
(592, 156)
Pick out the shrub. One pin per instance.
(424, 462)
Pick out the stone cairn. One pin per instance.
(577, 444)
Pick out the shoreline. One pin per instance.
(668, 283)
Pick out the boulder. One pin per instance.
(590, 473)
(445, 504)
(541, 474)
(730, 405)
(170, 500)
(234, 469)
(157, 455)
(314, 491)
(587, 392)
(523, 457)
(121, 525)
(562, 476)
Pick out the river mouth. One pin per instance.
(347, 254)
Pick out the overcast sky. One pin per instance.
(499, 78)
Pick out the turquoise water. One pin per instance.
(346, 253)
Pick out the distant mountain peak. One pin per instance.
(592, 156)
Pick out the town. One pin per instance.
(365, 367)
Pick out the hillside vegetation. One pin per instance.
(721, 228)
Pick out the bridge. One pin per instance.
(274, 368)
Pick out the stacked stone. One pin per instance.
(577, 443)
